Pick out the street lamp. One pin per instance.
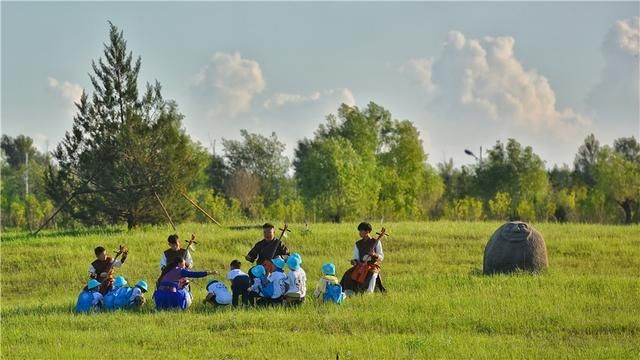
(470, 153)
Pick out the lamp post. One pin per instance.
(470, 153)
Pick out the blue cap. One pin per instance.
(120, 281)
(329, 269)
(278, 262)
(142, 285)
(296, 255)
(93, 283)
(258, 271)
(293, 262)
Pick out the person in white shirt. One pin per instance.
(296, 281)
(218, 293)
(366, 252)
(277, 279)
(175, 252)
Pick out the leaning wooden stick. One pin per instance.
(165, 211)
(44, 223)
(201, 210)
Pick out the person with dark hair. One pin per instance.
(240, 283)
(366, 250)
(171, 291)
(101, 269)
(268, 248)
(174, 252)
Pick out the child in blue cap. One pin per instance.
(296, 281)
(137, 298)
(260, 283)
(90, 298)
(329, 288)
(277, 280)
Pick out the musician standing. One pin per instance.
(170, 256)
(366, 250)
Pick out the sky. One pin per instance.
(466, 74)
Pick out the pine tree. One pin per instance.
(124, 148)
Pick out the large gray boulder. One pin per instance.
(515, 245)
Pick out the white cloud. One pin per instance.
(615, 100)
(234, 80)
(69, 91)
(484, 81)
(282, 99)
(422, 69)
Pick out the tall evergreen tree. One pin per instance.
(124, 148)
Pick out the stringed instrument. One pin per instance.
(268, 265)
(122, 250)
(360, 271)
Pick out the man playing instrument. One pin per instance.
(101, 269)
(175, 252)
(268, 248)
(366, 251)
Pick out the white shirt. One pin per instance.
(97, 297)
(187, 260)
(279, 283)
(356, 252)
(297, 282)
(135, 293)
(256, 286)
(223, 296)
(116, 264)
(235, 272)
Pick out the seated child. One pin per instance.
(240, 283)
(118, 296)
(137, 299)
(218, 293)
(329, 288)
(276, 287)
(90, 298)
(296, 281)
(258, 286)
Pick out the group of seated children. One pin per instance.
(258, 288)
(261, 289)
(119, 296)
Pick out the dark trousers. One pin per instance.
(239, 286)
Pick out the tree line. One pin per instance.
(127, 156)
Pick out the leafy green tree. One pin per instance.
(628, 147)
(520, 173)
(18, 208)
(586, 160)
(500, 206)
(124, 148)
(259, 155)
(331, 180)
(619, 179)
(402, 163)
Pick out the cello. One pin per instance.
(362, 268)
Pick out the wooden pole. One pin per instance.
(54, 213)
(165, 211)
(201, 210)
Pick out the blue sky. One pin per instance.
(467, 74)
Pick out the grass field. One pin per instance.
(587, 305)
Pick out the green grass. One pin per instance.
(587, 305)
